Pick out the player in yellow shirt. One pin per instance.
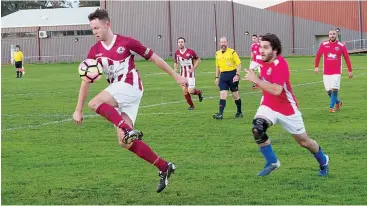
(228, 67)
(18, 61)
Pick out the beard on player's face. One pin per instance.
(266, 56)
(332, 38)
(223, 47)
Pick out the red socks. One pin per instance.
(196, 92)
(138, 147)
(110, 113)
(145, 152)
(189, 101)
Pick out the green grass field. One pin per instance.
(46, 159)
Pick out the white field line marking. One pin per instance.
(292, 70)
(144, 106)
(159, 73)
(161, 113)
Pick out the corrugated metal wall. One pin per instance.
(28, 47)
(339, 13)
(194, 20)
(305, 37)
(188, 21)
(53, 49)
(224, 21)
(143, 21)
(258, 21)
(364, 17)
(66, 49)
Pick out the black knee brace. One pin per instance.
(259, 127)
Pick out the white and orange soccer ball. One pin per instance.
(90, 70)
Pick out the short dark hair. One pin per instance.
(17, 46)
(274, 42)
(101, 14)
(254, 35)
(181, 38)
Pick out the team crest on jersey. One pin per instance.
(337, 48)
(187, 55)
(120, 50)
(269, 71)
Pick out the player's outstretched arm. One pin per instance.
(274, 89)
(165, 67)
(83, 92)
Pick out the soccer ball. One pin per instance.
(90, 70)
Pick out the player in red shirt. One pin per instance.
(255, 56)
(279, 105)
(119, 102)
(333, 50)
(189, 61)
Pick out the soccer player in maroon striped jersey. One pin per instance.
(189, 61)
(119, 102)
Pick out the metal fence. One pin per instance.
(356, 45)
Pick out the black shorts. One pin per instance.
(18, 65)
(226, 81)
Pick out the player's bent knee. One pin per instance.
(185, 91)
(126, 146)
(223, 94)
(303, 143)
(121, 142)
(236, 95)
(191, 90)
(259, 127)
(94, 104)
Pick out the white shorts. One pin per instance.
(191, 82)
(292, 124)
(332, 81)
(127, 97)
(254, 65)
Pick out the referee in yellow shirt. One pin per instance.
(227, 75)
(18, 61)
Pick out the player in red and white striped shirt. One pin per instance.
(189, 61)
(119, 102)
(279, 104)
(332, 51)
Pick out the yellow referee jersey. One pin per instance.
(18, 56)
(227, 61)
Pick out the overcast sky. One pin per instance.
(255, 3)
(259, 3)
